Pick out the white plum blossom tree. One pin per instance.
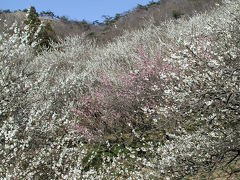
(158, 103)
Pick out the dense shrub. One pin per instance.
(177, 14)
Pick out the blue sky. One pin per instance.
(89, 10)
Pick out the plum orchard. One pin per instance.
(164, 101)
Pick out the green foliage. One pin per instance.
(152, 3)
(84, 24)
(93, 158)
(97, 153)
(146, 7)
(47, 13)
(117, 17)
(139, 6)
(64, 18)
(92, 35)
(25, 10)
(32, 22)
(39, 34)
(32, 17)
(177, 14)
(5, 11)
(108, 20)
(46, 35)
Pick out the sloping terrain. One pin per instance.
(161, 102)
(115, 26)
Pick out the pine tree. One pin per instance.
(39, 34)
(46, 35)
(32, 25)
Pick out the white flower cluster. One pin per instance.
(197, 110)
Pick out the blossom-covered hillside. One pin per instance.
(112, 27)
(158, 103)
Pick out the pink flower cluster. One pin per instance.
(113, 104)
